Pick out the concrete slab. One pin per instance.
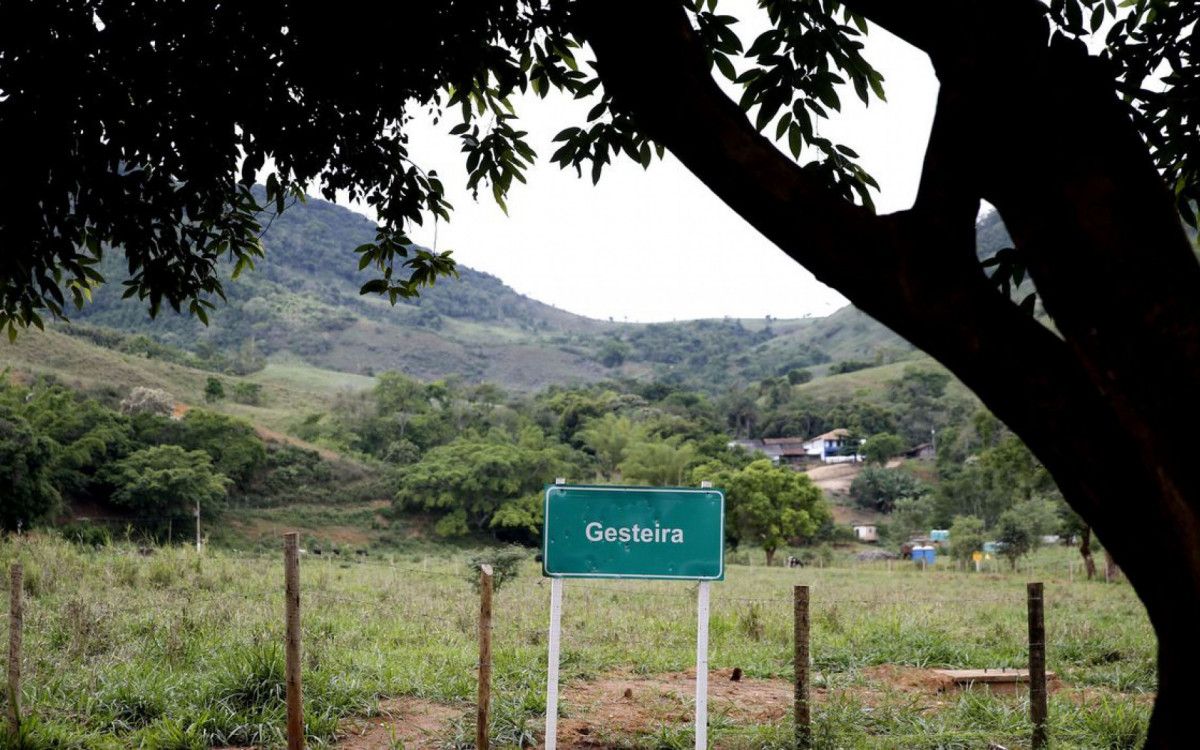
(996, 680)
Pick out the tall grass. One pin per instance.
(177, 650)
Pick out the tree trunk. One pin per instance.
(770, 555)
(1112, 571)
(1085, 550)
(1034, 127)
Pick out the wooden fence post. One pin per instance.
(15, 627)
(295, 699)
(1037, 665)
(802, 675)
(485, 657)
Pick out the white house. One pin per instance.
(830, 447)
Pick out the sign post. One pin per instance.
(556, 587)
(670, 533)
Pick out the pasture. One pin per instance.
(183, 650)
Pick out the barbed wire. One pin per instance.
(393, 598)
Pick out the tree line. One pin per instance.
(137, 461)
(475, 459)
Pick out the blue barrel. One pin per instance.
(923, 554)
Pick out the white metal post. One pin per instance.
(702, 667)
(556, 595)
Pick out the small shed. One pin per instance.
(924, 450)
(866, 532)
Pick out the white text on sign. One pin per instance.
(598, 532)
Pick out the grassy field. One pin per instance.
(290, 388)
(181, 650)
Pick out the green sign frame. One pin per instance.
(602, 531)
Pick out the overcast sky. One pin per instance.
(655, 245)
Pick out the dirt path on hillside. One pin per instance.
(273, 436)
(270, 436)
(834, 479)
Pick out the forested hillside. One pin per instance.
(303, 301)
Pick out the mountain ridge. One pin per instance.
(302, 301)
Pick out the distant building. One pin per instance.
(785, 451)
(832, 447)
(866, 532)
(793, 451)
(924, 450)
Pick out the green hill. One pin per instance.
(301, 306)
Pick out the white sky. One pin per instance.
(656, 245)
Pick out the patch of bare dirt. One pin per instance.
(834, 479)
(607, 712)
(623, 704)
(418, 724)
(908, 679)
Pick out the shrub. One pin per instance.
(85, 534)
(878, 488)
(250, 394)
(148, 401)
(505, 562)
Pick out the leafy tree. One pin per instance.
(862, 417)
(166, 481)
(574, 408)
(879, 488)
(912, 515)
(848, 366)
(799, 377)
(214, 390)
(610, 438)
(775, 392)
(994, 481)
(918, 384)
(741, 411)
(881, 447)
(87, 435)
(235, 448)
(769, 505)
(26, 460)
(1020, 528)
(658, 463)
(1093, 203)
(613, 353)
(919, 399)
(520, 520)
(966, 537)
(1015, 535)
(468, 481)
(397, 393)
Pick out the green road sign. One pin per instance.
(633, 532)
